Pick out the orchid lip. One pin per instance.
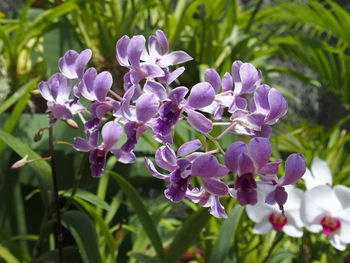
(330, 224)
(277, 221)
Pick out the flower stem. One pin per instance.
(59, 236)
(225, 131)
(217, 144)
(117, 96)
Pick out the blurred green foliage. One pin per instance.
(123, 216)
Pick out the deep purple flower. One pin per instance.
(137, 119)
(247, 160)
(182, 170)
(111, 133)
(295, 168)
(201, 95)
(72, 64)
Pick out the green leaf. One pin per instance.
(16, 113)
(70, 254)
(87, 196)
(142, 258)
(83, 231)
(226, 236)
(141, 211)
(187, 235)
(7, 256)
(42, 169)
(17, 95)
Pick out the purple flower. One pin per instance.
(295, 168)
(72, 64)
(201, 95)
(158, 52)
(138, 119)
(247, 160)
(206, 199)
(57, 91)
(111, 133)
(129, 53)
(182, 170)
(246, 77)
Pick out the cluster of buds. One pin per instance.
(152, 100)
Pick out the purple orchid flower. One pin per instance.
(111, 133)
(223, 99)
(138, 119)
(206, 199)
(295, 168)
(201, 95)
(128, 53)
(267, 107)
(182, 170)
(72, 64)
(57, 91)
(247, 160)
(95, 87)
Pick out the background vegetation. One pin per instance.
(302, 47)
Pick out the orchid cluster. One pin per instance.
(320, 209)
(153, 100)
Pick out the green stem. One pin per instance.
(275, 242)
(213, 140)
(59, 236)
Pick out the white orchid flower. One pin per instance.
(328, 210)
(320, 174)
(269, 217)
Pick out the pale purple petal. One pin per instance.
(82, 61)
(134, 50)
(171, 76)
(261, 101)
(199, 121)
(152, 71)
(178, 94)
(44, 90)
(249, 77)
(278, 106)
(121, 51)
(205, 166)
(188, 147)
(111, 133)
(163, 41)
(66, 64)
(81, 144)
(201, 95)
(295, 168)
(260, 150)
(152, 170)
(155, 88)
(227, 82)
(124, 157)
(103, 84)
(215, 187)
(99, 109)
(146, 107)
(211, 76)
(61, 111)
(232, 155)
(166, 158)
(173, 58)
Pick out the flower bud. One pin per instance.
(21, 163)
(35, 92)
(39, 134)
(71, 123)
